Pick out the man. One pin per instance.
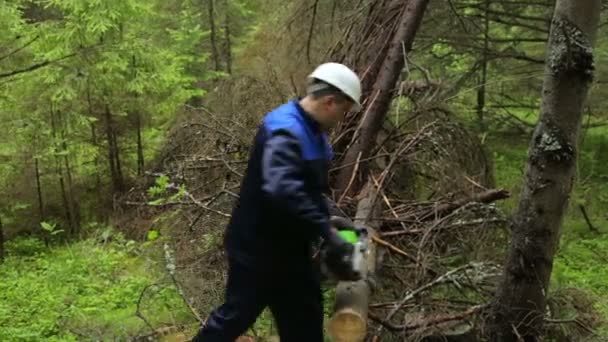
(282, 212)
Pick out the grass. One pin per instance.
(82, 291)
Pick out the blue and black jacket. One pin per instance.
(281, 211)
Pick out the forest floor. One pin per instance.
(90, 290)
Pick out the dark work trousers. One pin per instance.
(293, 295)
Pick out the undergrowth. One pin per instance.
(583, 252)
(86, 290)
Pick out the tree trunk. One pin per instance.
(39, 190)
(519, 309)
(381, 95)
(334, 4)
(227, 41)
(115, 172)
(93, 137)
(1, 241)
(349, 320)
(59, 171)
(368, 61)
(213, 36)
(121, 179)
(481, 91)
(140, 148)
(74, 208)
(96, 161)
(40, 202)
(311, 31)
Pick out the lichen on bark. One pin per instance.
(552, 145)
(571, 50)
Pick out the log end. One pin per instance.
(347, 325)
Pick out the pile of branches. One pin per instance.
(436, 260)
(422, 243)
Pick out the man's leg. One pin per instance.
(244, 301)
(297, 307)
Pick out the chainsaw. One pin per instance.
(358, 237)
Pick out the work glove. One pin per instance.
(338, 258)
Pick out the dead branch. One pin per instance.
(198, 202)
(418, 212)
(475, 222)
(430, 322)
(589, 224)
(170, 266)
(393, 248)
(447, 277)
(138, 312)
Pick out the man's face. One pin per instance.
(335, 109)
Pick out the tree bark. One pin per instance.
(93, 137)
(40, 202)
(73, 206)
(1, 241)
(117, 156)
(140, 147)
(519, 308)
(311, 31)
(227, 40)
(59, 171)
(96, 161)
(481, 91)
(381, 95)
(39, 190)
(115, 172)
(368, 60)
(213, 35)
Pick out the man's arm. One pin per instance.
(283, 181)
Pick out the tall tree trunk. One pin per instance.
(115, 174)
(213, 36)
(39, 190)
(334, 4)
(368, 62)
(40, 202)
(381, 96)
(96, 161)
(227, 41)
(93, 137)
(121, 179)
(519, 308)
(1, 241)
(59, 171)
(481, 90)
(311, 31)
(74, 208)
(140, 148)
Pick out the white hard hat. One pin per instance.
(341, 77)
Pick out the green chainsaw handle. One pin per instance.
(346, 228)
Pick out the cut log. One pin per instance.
(349, 321)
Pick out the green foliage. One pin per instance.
(130, 58)
(152, 235)
(159, 187)
(51, 228)
(83, 289)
